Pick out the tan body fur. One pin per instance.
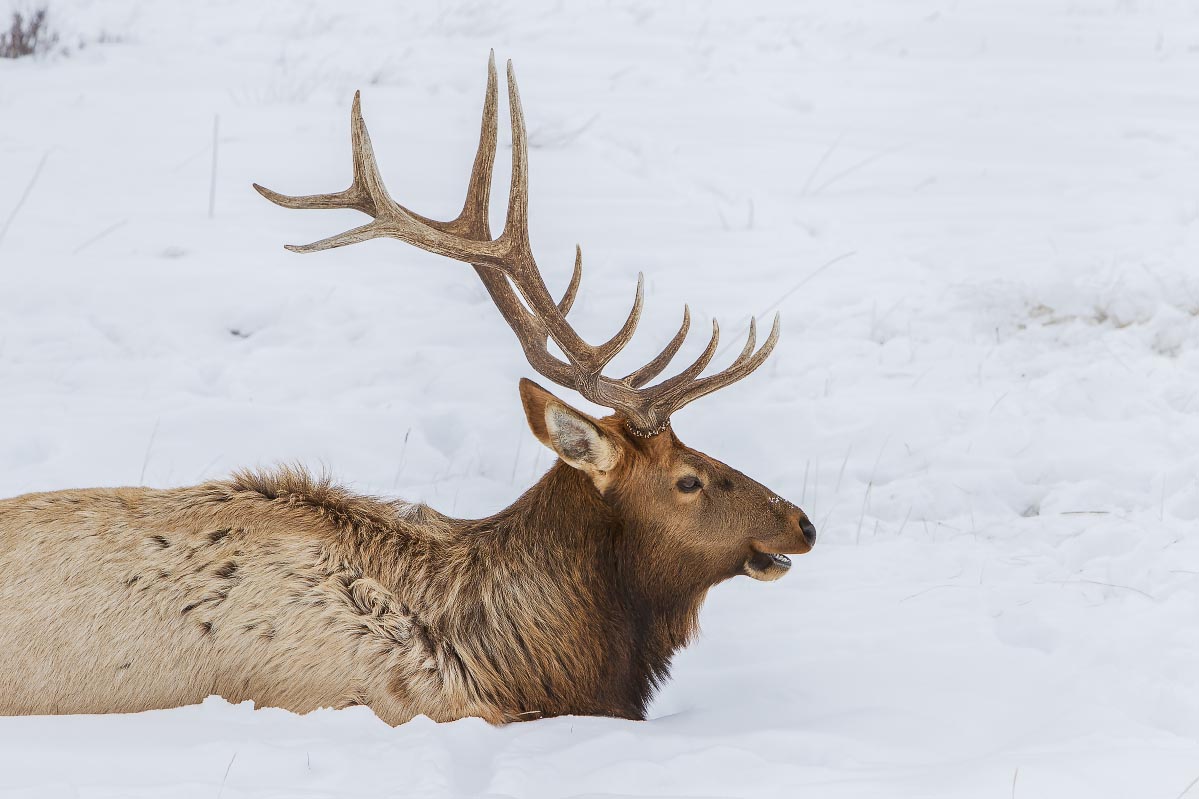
(131, 599)
(274, 588)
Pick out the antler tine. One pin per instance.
(363, 233)
(516, 226)
(608, 350)
(568, 297)
(750, 341)
(669, 387)
(473, 220)
(518, 262)
(366, 193)
(654, 368)
(736, 371)
(339, 199)
(366, 169)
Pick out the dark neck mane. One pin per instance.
(551, 607)
(567, 573)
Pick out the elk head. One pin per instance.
(713, 520)
(690, 514)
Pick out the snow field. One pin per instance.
(980, 222)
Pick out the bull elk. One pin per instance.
(292, 592)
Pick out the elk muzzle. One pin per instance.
(768, 562)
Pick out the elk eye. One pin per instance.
(689, 484)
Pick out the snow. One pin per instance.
(980, 222)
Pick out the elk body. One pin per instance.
(289, 591)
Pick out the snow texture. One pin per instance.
(980, 221)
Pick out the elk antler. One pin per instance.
(505, 265)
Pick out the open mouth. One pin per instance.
(767, 565)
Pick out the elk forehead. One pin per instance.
(667, 452)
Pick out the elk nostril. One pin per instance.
(808, 529)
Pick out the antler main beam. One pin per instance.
(506, 266)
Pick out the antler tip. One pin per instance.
(273, 196)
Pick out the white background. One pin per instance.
(980, 221)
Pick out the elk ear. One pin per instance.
(573, 435)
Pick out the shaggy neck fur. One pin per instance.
(548, 608)
(620, 613)
(551, 607)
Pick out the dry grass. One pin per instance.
(27, 35)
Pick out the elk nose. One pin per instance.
(807, 528)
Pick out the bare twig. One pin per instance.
(221, 790)
(141, 479)
(862, 515)
(216, 138)
(1106, 585)
(24, 196)
(110, 229)
(516, 460)
(850, 170)
(841, 473)
(869, 487)
(828, 516)
(208, 466)
(924, 591)
(789, 292)
(803, 499)
(1187, 789)
(816, 487)
(403, 452)
(27, 35)
(803, 192)
(1161, 508)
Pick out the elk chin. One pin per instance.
(766, 566)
